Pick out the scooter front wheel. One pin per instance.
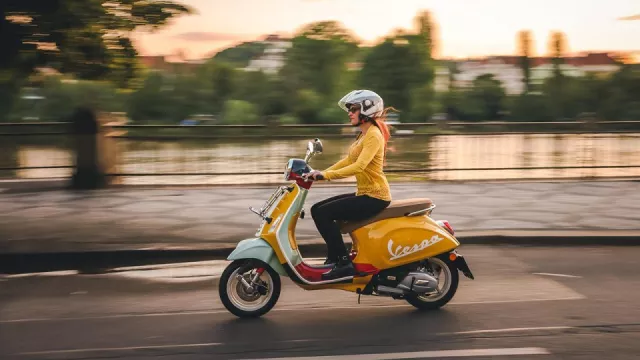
(246, 292)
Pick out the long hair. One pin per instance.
(380, 122)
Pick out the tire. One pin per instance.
(436, 302)
(231, 290)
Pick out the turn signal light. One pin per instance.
(453, 256)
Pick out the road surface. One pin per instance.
(526, 303)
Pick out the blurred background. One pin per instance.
(208, 92)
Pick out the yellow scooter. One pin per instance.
(401, 252)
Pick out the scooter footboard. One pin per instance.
(259, 249)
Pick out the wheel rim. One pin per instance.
(246, 300)
(441, 272)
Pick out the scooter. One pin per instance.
(401, 252)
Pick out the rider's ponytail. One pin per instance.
(380, 122)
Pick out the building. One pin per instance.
(273, 57)
(441, 78)
(508, 70)
(504, 68)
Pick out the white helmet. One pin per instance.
(371, 104)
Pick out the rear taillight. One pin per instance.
(445, 224)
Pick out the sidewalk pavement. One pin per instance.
(131, 218)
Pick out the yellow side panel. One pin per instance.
(392, 242)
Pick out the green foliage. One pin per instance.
(423, 104)
(333, 115)
(489, 95)
(288, 119)
(318, 58)
(401, 70)
(525, 52)
(252, 86)
(152, 101)
(239, 112)
(240, 55)
(276, 98)
(92, 45)
(307, 107)
(60, 97)
(88, 39)
(221, 79)
(391, 68)
(529, 107)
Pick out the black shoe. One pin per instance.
(343, 268)
(330, 261)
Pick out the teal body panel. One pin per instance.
(257, 248)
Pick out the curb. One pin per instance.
(97, 262)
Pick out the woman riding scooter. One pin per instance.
(365, 160)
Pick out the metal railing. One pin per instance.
(231, 154)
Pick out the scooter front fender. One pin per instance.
(259, 249)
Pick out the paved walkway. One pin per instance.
(134, 218)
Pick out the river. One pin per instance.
(442, 157)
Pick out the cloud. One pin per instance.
(632, 17)
(203, 36)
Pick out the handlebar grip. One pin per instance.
(318, 177)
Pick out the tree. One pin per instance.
(525, 50)
(89, 39)
(318, 58)
(252, 86)
(427, 32)
(556, 85)
(151, 101)
(422, 103)
(189, 95)
(396, 69)
(222, 82)
(389, 70)
(60, 96)
(240, 55)
(308, 106)
(401, 70)
(529, 107)
(238, 112)
(557, 49)
(619, 100)
(488, 95)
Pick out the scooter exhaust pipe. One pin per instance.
(389, 290)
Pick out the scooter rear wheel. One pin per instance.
(448, 277)
(249, 302)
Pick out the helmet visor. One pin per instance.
(344, 102)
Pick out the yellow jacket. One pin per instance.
(365, 161)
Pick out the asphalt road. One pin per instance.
(526, 303)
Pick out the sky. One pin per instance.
(466, 28)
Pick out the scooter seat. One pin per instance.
(397, 208)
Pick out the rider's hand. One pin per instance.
(314, 174)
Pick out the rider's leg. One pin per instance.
(332, 256)
(350, 209)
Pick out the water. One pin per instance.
(442, 157)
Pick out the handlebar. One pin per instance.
(318, 177)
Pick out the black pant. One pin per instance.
(346, 207)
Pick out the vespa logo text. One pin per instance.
(402, 251)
